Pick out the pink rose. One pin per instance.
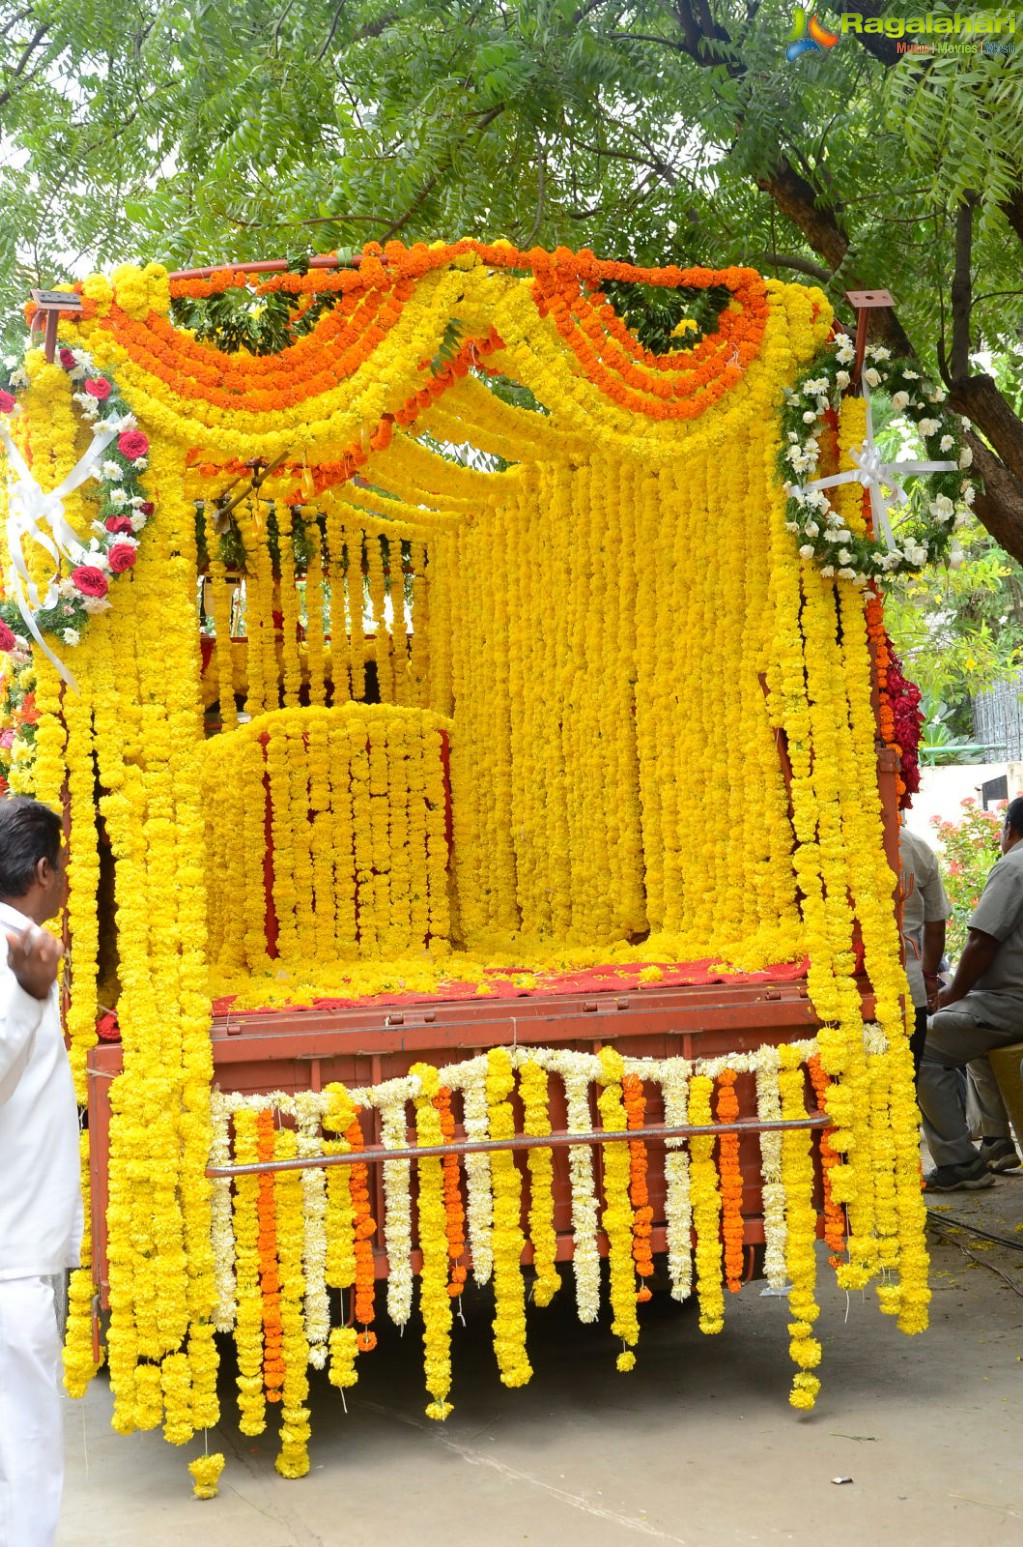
(7, 640)
(121, 557)
(6, 403)
(6, 739)
(119, 525)
(90, 580)
(67, 359)
(98, 387)
(132, 444)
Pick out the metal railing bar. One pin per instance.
(557, 1140)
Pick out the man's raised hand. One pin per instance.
(33, 957)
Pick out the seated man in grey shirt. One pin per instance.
(981, 1008)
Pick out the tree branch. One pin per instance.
(883, 48)
(980, 400)
(999, 503)
(646, 37)
(788, 260)
(29, 50)
(1012, 209)
(962, 289)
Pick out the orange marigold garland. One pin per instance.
(730, 1173)
(269, 1273)
(834, 1214)
(454, 1208)
(643, 1214)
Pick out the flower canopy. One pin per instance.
(506, 658)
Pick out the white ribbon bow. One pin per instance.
(875, 474)
(29, 506)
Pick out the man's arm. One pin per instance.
(32, 958)
(934, 950)
(979, 952)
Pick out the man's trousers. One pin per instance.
(31, 1441)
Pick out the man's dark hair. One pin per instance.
(29, 832)
(1014, 815)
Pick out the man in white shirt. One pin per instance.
(980, 1009)
(40, 1181)
(925, 907)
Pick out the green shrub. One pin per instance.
(970, 847)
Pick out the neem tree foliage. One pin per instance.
(648, 130)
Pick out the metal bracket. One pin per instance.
(49, 305)
(863, 301)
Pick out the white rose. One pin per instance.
(811, 529)
(942, 508)
(846, 574)
(842, 380)
(955, 557)
(844, 556)
(138, 521)
(899, 401)
(966, 457)
(806, 551)
(911, 375)
(827, 570)
(872, 377)
(809, 417)
(792, 526)
(929, 426)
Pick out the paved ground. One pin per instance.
(697, 1446)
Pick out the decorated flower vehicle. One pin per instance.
(477, 734)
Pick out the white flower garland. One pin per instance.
(397, 1211)
(308, 1112)
(577, 1071)
(678, 1208)
(773, 1193)
(479, 1213)
(820, 532)
(222, 1223)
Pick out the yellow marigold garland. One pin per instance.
(706, 1208)
(507, 1240)
(434, 1300)
(537, 1123)
(617, 1218)
(800, 1230)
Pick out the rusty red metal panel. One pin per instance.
(303, 1049)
